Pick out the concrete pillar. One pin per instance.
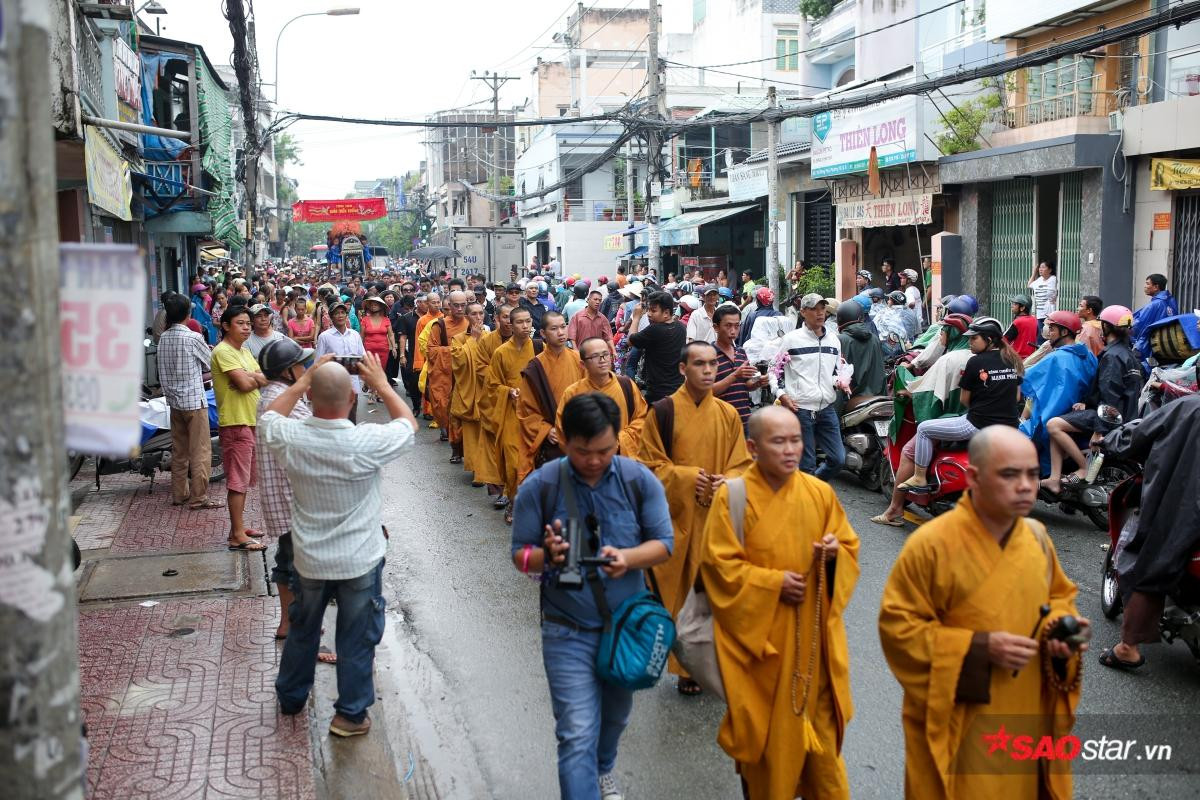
(946, 258)
(845, 264)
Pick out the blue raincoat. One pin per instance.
(1055, 383)
(1161, 306)
(205, 320)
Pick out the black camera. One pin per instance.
(350, 363)
(570, 575)
(762, 367)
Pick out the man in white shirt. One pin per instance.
(343, 342)
(261, 331)
(335, 470)
(700, 324)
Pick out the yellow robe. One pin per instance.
(486, 461)
(755, 635)
(562, 370)
(464, 398)
(630, 437)
(707, 436)
(439, 363)
(504, 375)
(951, 580)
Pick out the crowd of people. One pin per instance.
(679, 423)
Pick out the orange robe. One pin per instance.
(632, 421)
(755, 634)
(440, 382)
(562, 370)
(504, 375)
(707, 436)
(419, 355)
(953, 580)
(464, 397)
(486, 461)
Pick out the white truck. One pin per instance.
(493, 252)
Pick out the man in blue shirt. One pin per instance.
(1162, 305)
(634, 530)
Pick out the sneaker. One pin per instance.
(344, 727)
(608, 788)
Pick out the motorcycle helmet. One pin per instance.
(1068, 320)
(849, 312)
(1117, 316)
(1021, 300)
(725, 292)
(963, 304)
(898, 298)
(279, 355)
(863, 301)
(986, 327)
(690, 302)
(959, 322)
(875, 294)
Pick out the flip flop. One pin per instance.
(253, 534)
(1073, 480)
(1109, 659)
(250, 546)
(326, 656)
(688, 687)
(207, 504)
(884, 519)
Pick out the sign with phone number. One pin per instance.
(101, 291)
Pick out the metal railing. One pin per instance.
(599, 211)
(91, 73)
(933, 55)
(1059, 92)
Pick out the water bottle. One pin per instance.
(1094, 466)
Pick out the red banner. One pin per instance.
(333, 210)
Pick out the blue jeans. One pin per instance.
(589, 715)
(822, 429)
(360, 619)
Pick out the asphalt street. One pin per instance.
(463, 658)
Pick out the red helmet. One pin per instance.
(569, 281)
(957, 321)
(1065, 319)
(1117, 316)
(603, 279)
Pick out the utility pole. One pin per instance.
(244, 63)
(772, 200)
(40, 739)
(629, 204)
(653, 140)
(495, 81)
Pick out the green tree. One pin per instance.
(287, 151)
(963, 123)
(816, 9)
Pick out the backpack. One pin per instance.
(664, 415)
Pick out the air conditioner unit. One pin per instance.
(1115, 121)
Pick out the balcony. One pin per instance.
(933, 57)
(91, 71)
(833, 34)
(1056, 100)
(599, 211)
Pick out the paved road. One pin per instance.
(463, 653)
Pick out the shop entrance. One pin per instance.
(1185, 250)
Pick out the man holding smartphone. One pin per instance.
(345, 344)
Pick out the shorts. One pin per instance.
(237, 455)
(1087, 421)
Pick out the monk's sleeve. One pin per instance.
(925, 656)
(744, 597)
(423, 340)
(534, 427)
(484, 396)
(631, 434)
(843, 572)
(497, 394)
(679, 481)
(738, 460)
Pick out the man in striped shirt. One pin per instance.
(183, 358)
(735, 375)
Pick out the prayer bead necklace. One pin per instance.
(812, 650)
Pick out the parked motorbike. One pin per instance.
(865, 422)
(1181, 616)
(947, 473)
(1104, 473)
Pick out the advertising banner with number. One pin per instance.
(335, 210)
(842, 139)
(101, 299)
(109, 185)
(886, 211)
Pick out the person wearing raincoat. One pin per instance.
(1057, 382)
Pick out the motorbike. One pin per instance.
(947, 472)
(1181, 616)
(1104, 473)
(865, 422)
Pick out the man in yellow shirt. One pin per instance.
(236, 380)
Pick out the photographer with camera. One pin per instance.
(346, 345)
(563, 501)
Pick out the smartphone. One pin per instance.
(350, 363)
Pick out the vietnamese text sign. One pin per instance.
(101, 296)
(335, 210)
(747, 181)
(127, 74)
(614, 242)
(842, 139)
(1174, 173)
(876, 213)
(109, 186)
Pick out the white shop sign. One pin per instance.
(842, 140)
(886, 211)
(747, 182)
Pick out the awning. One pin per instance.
(685, 229)
(538, 235)
(632, 230)
(637, 252)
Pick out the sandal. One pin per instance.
(253, 534)
(456, 459)
(249, 546)
(1109, 659)
(326, 656)
(508, 516)
(1073, 481)
(207, 504)
(688, 687)
(884, 519)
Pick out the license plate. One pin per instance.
(881, 426)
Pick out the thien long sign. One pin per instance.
(914, 210)
(339, 210)
(842, 139)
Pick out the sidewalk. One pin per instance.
(177, 671)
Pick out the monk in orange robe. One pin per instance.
(464, 396)
(504, 387)
(433, 310)
(487, 461)
(705, 447)
(777, 602)
(597, 363)
(964, 595)
(544, 380)
(439, 364)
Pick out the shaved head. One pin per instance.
(1003, 475)
(765, 419)
(331, 389)
(996, 440)
(776, 442)
(458, 296)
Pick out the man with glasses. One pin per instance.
(597, 358)
(589, 323)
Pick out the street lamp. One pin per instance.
(333, 12)
(152, 7)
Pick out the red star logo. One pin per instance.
(997, 741)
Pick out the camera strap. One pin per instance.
(593, 575)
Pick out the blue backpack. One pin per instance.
(637, 636)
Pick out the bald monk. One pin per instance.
(504, 390)
(964, 595)
(433, 310)
(439, 363)
(464, 396)
(486, 461)
(778, 618)
(544, 380)
(597, 364)
(706, 445)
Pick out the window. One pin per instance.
(787, 49)
(1183, 75)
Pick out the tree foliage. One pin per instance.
(961, 134)
(816, 9)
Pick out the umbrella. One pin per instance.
(434, 252)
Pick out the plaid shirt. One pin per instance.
(274, 489)
(183, 358)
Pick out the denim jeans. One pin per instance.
(822, 429)
(589, 714)
(360, 619)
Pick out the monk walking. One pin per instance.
(544, 380)
(464, 396)
(486, 461)
(504, 390)
(965, 625)
(433, 310)
(597, 363)
(779, 566)
(439, 364)
(693, 442)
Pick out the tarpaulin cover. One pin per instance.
(330, 210)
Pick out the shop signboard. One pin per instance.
(747, 182)
(842, 139)
(109, 186)
(614, 242)
(127, 67)
(1174, 173)
(886, 211)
